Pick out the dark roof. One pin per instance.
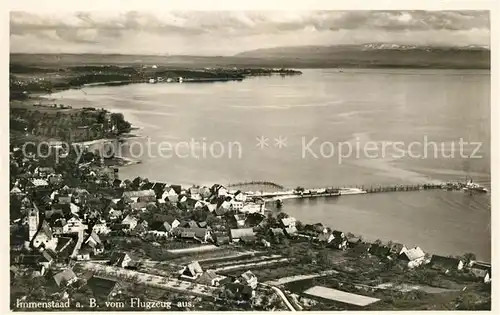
(354, 240)
(446, 262)
(481, 266)
(101, 287)
(160, 226)
(396, 247)
(147, 186)
(163, 218)
(337, 234)
(117, 258)
(63, 242)
(176, 188)
(191, 224)
(379, 250)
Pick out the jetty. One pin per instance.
(341, 191)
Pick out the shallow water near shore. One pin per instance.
(357, 106)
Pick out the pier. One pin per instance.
(342, 191)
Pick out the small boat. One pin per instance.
(473, 187)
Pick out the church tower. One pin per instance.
(33, 221)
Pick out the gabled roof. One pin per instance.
(480, 273)
(147, 186)
(139, 193)
(396, 247)
(288, 221)
(193, 268)
(248, 275)
(207, 277)
(93, 236)
(324, 237)
(117, 258)
(191, 224)
(481, 266)
(337, 234)
(129, 219)
(62, 243)
(354, 239)
(238, 233)
(413, 253)
(291, 230)
(64, 276)
(101, 287)
(380, 250)
(446, 262)
(49, 255)
(176, 188)
(45, 229)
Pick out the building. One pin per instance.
(481, 270)
(253, 208)
(236, 234)
(325, 238)
(288, 222)
(210, 278)
(102, 288)
(121, 260)
(235, 205)
(248, 278)
(397, 248)
(192, 271)
(414, 256)
(130, 221)
(33, 222)
(44, 237)
(446, 264)
(65, 278)
(379, 250)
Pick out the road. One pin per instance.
(282, 296)
(152, 280)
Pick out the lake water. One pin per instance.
(327, 109)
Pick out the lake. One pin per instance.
(315, 130)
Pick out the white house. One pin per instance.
(236, 205)
(253, 208)
(415, 256)
(74, 225)
(130, 221)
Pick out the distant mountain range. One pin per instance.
(380, 55)
(377, 55)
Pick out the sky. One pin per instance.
(230, 32)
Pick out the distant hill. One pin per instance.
(376, 55)
(358, 56)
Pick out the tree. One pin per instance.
(299, 189)
(468, 257)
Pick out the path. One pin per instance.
(282, 296)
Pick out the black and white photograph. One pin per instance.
(249, 160)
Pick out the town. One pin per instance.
(82, 237)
